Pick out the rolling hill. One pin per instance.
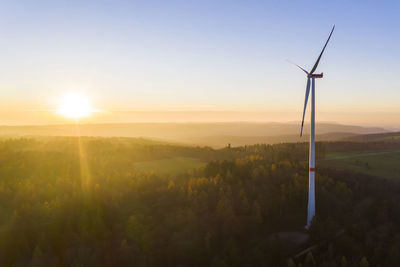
(378, 137)
(209, 134)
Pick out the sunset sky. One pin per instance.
(219, 60)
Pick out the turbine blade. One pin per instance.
(305, 105)
(297, 66)
(320, 55)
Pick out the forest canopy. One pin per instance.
(69, 201)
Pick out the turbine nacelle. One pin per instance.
(321, 75)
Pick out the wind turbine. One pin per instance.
(311, 182)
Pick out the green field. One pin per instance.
(169, 166)
(385, 164)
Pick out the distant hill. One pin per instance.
(391, 136)
(211, 134)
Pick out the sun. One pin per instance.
(75, 106)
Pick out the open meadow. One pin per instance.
(380, 164)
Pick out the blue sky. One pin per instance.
(203, 55)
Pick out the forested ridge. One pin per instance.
(80, 202)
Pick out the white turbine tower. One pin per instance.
(311, 182)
